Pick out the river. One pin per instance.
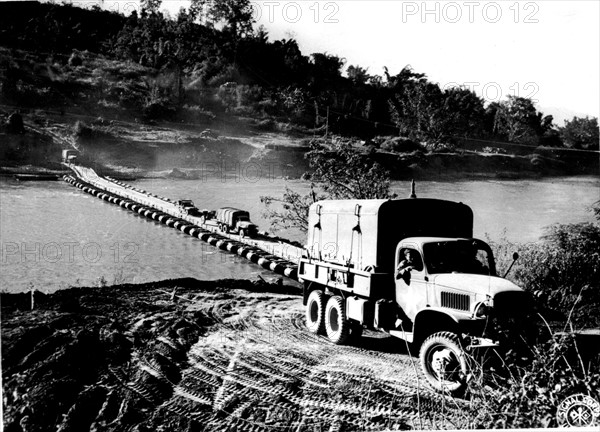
(54, 236)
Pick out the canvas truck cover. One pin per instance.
(364, 233)
(228, 214)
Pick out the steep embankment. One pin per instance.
(109, 110)
(189, 355)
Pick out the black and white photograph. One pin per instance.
(303, 216)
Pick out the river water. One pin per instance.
(54, 236)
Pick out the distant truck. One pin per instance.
(230, 219)
(356, 275)
(69, 155)
(187, 207)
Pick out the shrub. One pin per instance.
(400, 145)
(82, 130)
(157, 106)
(227, 95)
(75, 59)
(527, 396)
(157, 109)
(562, 272)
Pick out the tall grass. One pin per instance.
(563, 275)
(562, 272)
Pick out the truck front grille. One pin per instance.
(512, 303)
(455, 301)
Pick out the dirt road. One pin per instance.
(190, 355)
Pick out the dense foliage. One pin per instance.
(215, 43)
(562, 272)
(563, 275)
(528, 396)
(339, 171)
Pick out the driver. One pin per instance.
(408, 263)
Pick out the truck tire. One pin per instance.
(337, 326)
(315, 312)
(444, 362)
(242, 233)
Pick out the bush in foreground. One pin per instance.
(528, 396)
(563, 275)
(562, 272)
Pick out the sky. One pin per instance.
(546, 50)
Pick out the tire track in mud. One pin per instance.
(258, 368)
(214, 357)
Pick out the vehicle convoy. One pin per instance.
(187, 207)
(230, 219)
(411, 268)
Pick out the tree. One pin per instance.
(581, 133)
(345, 172)
(419, 111)
(326, 71)
(466, 111)
(358, 75)
(236, 15)
(517, 120)
(293, 212)
(150, 6)
(341, 172)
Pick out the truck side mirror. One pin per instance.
(515, 257)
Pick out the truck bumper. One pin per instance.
(480, 342)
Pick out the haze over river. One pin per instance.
(54, 236)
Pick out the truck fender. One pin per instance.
(432, 320)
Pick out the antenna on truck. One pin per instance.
(412, 190)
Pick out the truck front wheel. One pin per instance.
(315, 312)
(443, 362)
(337, 326)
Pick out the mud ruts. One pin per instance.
(252, 253)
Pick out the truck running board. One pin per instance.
(407, 336)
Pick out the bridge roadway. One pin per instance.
(273, 253)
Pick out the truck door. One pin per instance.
(411, 282)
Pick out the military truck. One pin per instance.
(231, 219)
(356, 276)
(187, 207)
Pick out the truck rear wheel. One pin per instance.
(315, 312)
(337, 326)
(443, 362)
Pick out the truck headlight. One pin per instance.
(482, 310)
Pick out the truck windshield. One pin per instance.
(460, 256)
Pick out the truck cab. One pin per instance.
(230, 219)
(370, 264)
(187, 207)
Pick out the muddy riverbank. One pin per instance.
(192, 355)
